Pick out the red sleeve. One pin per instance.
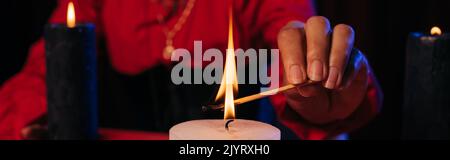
(275, 14)
(264, 18)
(23, 97)
(369, 107)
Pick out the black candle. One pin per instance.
(426, 110)
(71, 80)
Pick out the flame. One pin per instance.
(229, 83)
(71, 15)
(436, 31)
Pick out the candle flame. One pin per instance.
(436, 31)
(70, 15)
(229, 85)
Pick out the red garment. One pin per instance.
(135, 41)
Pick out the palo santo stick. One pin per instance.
(259, 95)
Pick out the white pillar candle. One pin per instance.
(239, 129)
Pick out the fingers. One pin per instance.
(308, 52)
(318, 45)
(342, 45)
(37, 129)
(291, 42)
(35, 132)
(328, 57)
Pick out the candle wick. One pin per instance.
(228, 123)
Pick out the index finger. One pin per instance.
(292, 44)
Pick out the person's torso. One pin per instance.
(136, 38)
(135, 86)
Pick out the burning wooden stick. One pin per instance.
(258, 96)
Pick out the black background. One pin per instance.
(278, 149)
(381, 26)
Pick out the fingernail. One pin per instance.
(316, 72)
(296, 74)
(332, 78)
